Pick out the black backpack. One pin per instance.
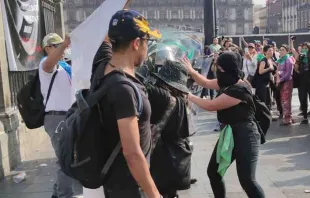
(263, 115)
(30, 102)
(80, 137)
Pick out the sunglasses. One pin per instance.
(149, 39)
(54, 45)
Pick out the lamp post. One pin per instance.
(209, 20)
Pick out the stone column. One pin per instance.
(8, 116)
(9, 141)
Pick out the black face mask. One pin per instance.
(226, 79)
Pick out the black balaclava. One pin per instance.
(230, 63)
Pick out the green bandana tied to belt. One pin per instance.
(224, 150)
(282, 59)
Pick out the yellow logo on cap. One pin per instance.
(144, 27)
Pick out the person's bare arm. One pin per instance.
(53, 58)
(222, 42)
(234, 45)
(293, 50)
(262, 69)
(138, 166)
(219, 103)
(244, 42)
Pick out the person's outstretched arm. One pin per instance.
(198, 78)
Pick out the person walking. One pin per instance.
(129, 175)
(234, 98)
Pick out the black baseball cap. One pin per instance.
(128, 25)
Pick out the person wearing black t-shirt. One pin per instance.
(264, 76)
(234, 98)
(129, 175)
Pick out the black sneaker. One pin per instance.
(54, 196)
(305, 121)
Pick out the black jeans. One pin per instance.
(304, 93)
(277, 96)
(120, 183)
(207, 92)
(247, 141)
(263, 93)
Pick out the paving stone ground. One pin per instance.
(283, 167)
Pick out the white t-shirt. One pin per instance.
(249, 66)
(60, 96)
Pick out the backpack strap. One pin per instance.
(107, 83)
(51, 86)
(161, 125)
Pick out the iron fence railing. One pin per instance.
(17, 80)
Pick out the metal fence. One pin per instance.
(18, 79)
(280, 39)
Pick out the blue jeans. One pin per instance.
(63, 185)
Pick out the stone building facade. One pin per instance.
(234, 16)
(274, 16)
(289, 15)
(303, 15)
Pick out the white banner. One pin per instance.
(87, 38)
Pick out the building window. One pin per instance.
(71, 15)
(176, 14)
(187, 14)
(240, 29)
(163, 14)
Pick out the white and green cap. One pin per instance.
(51, 39)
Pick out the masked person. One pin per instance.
(171, 158)
(285, 83)
(234, 98)
(304, 80)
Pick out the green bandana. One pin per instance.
(260, 57)
(282, 59)
(305, 59)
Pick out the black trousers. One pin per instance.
(246, 150)
(120, 183)
(264, 94)
(277, 96)
(303, 94)
(208, 92)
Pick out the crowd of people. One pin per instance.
(155, 156)
(273, 73)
